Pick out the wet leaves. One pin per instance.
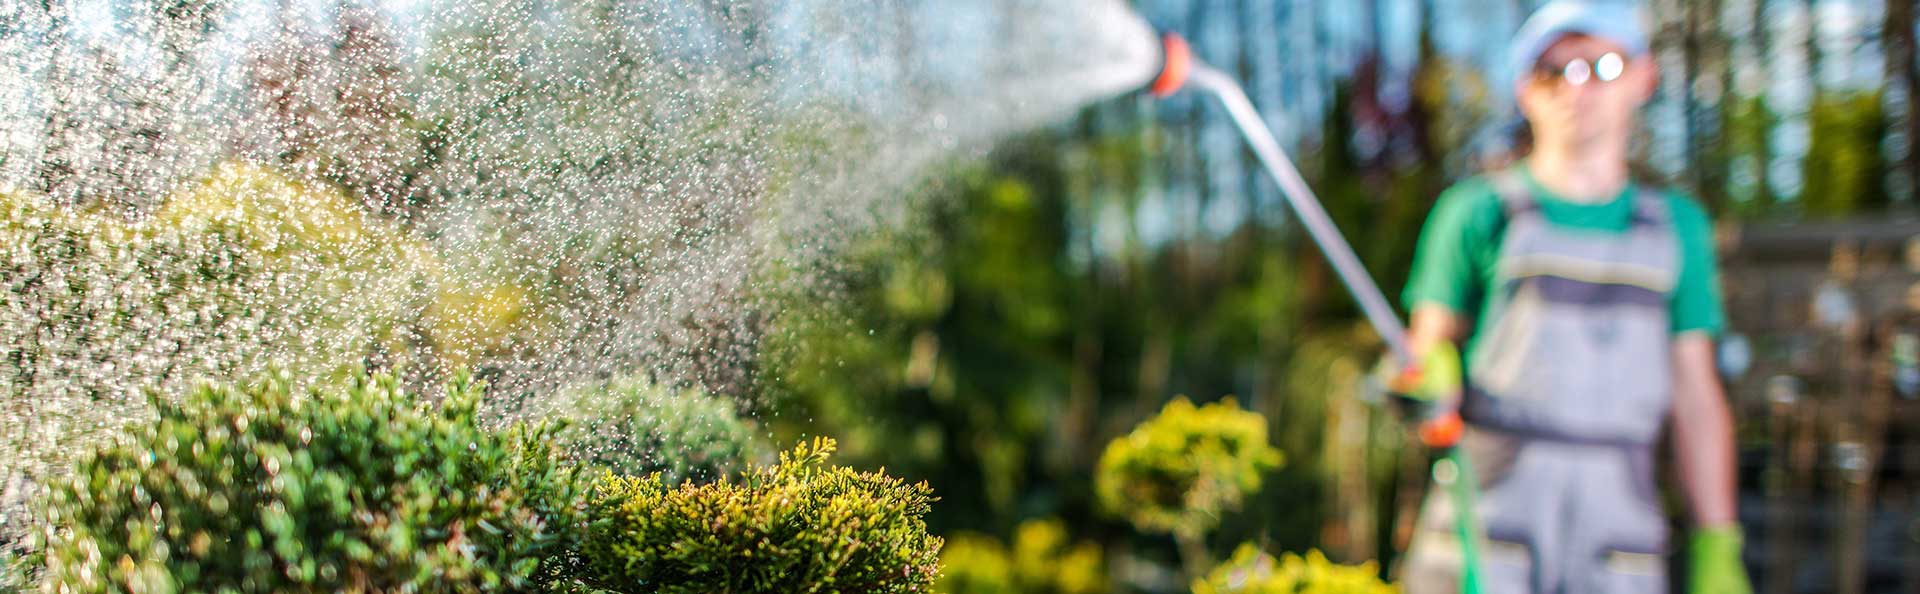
(253, 509)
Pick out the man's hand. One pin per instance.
(1427, 392)
(1713, 562)
(1704, 455)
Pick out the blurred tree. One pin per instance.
(948, 356)
(1708, 85)
(1182, 471)
(120, 120)
(1845, 172)
(1750, 125)
(331, 104)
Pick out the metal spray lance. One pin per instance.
(1440, 428)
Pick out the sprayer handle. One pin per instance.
(1428, 393)
(1176, 64)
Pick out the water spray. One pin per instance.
(1180, 68)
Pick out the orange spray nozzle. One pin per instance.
(1176, 64)
(1443, 431)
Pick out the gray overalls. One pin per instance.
(1567, 393)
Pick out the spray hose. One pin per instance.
(1453, 471)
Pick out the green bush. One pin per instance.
(263, 488)
(634, 427)
(1041, 561)
(799, 526)
(1181, 470)
(1252, 571)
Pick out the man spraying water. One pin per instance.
(1586, 306)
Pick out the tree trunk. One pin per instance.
(1706, 71)
(1722, 146)
(1763, 150)
(1814, 56)
(1815, 59)
(1671, 51)
(1904, 74)
(1194, 560)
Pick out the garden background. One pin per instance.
(648, 217)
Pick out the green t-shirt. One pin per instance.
(1455, 261)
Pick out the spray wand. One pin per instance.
(1441, 429)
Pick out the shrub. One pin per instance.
(798, 526)
(975, 564)
(1041, 561)
(264, 488)
(1252, 571)
(634, 427)
(1181, 470)
(473, 320)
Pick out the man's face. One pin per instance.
(1585, 90)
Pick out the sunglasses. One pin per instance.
(1607, 68)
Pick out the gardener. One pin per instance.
(1587, 307)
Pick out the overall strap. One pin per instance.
(1650, 209)
(1516, 198)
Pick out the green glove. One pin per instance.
(1428, 393)
(1713, 562)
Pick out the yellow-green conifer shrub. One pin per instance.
(1040, 561)
(469, 322)
(328, 282)
(633, 426)
(1180, 471)
(800, 526)
(265, 488)
(975, 564)
(1252, 571)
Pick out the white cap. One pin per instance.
(1617, 21)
